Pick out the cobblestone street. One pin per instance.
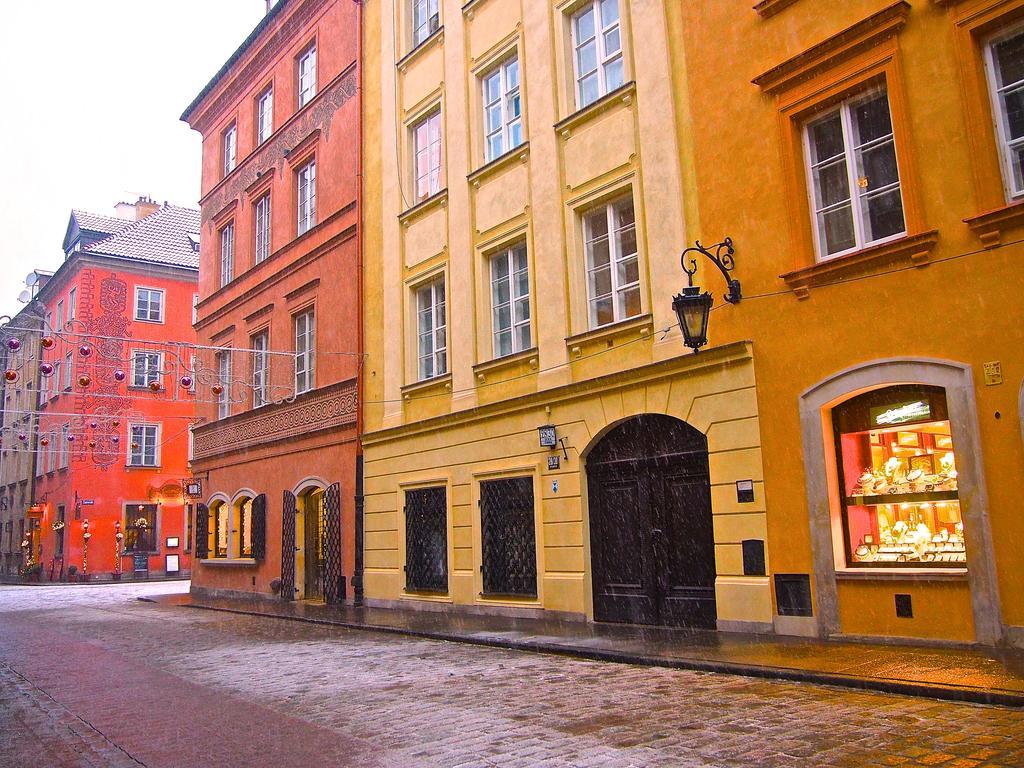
(91, 676)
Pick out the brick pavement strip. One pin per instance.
(93, 674)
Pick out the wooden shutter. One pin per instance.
(259, 527)
(202, 529)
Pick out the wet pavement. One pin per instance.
(92, 676)
(985, 676)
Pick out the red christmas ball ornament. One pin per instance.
(154, 386)
(10, 375)
(115, 423)
(84, 381)
(22, 436)
(135, 446)
(71, 438)
(46, 342)
(92, 443)
(93, 424)
(120, 375)
(85, 350)
(115, 439)
(44, 441)
(217, 389)
(13, 344)
(186, 382)
(46, 369)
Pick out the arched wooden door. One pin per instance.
(651, 538)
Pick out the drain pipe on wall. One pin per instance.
(357, 566)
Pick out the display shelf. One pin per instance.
(925, 497)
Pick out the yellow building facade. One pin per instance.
(538, 439)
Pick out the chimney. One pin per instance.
(140, 209)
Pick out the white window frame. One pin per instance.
(58, 366)
(306, 76)
(603, 57)
(72, 302)
(424, 19)
(850, 150)
(511, 284)
(150, 293)
(227, 253)
(195, 308)
(615, 258)
(1006, 146)
(432, 342)
(261, 224)
(229, 144)
(69, 370)
(260, 345)
(431, 178)
(65, 446)
(51, 452)
(265, 115)
(149, 373)
(60, 316)
(509, 97)
(224, 379)
(304, 334)
(137, 458)
(305, 180)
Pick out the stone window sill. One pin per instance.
(492, 167)
(991, 226)
(231, 562)
(438, 199)
(768, 8)
(492, 368)
(427, 386)
(901, 574)
(625, 93)
(641, 325)
(436, 38)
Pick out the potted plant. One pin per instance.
(32, 572)
(72, 573)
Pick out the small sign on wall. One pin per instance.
(554, 462)
(993, 373)
(172, 564)
(173, 542)
(140, 563)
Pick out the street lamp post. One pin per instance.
(85, 549)
(693, 307)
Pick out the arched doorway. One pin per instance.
(651, 538)
(309, 544)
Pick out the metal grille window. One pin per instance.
(145, 368)
(854, 177)
(306, 179)
(503, 124)
(426, 540)
(260, 370)
(140, 528)
(305, 352)
(227, 254)
(307, 76)
(510, 301)
(432, 330)
(262, 217)
(144, 445)
(1005, 65)
(426, 20)
(265, 116)
(597, 45)
(509, 537)
(613, 268)
(224, 379)
(230, 141)
(426, 144)
(149, 305)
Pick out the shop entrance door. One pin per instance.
(309, 546)
(651, 538)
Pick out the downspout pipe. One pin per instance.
(357, 570)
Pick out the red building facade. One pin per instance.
(111, 446)
(277, 446)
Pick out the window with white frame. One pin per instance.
(613, 267)
(853, 176)
(503, 122)
(1004, 56)
(597, 50)
(307, 76)
(144, 445)
(60, 315)
(431, 330)
(227, 254)
(51, 452)
(265, 115)
(72, 303)
(145, 367)
(306, 197)
(44, 390)
(224, 380)
(195, 308)
(64, 446)
(305, 352)
(426, 20)
(40, 456)
(230, 145)
(260, 370)
(69, 370)
(149, 305)
(510, 301)
(262, 221)
(56, 376)
(426, 154)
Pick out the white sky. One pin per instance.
(90, 94)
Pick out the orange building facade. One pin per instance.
(276, 449)
(113, 417)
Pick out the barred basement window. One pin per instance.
(509, 537)
(426, 540)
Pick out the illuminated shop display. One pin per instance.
(898, 480)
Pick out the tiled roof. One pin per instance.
(163, 237)
(94, 222)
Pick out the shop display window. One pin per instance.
(897, 477)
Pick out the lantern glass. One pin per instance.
(693, 309)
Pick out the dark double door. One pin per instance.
(652, 542)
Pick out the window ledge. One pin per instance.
(641, 325)
(912, 250)
(991, 225)
(437, 200)
(501, 364)
(231, 562)
(141, 466)
(436, 38)
(520, 153)
(443, 382)
(901, 574)
(768, 8)
(625, 93)
(432, 597)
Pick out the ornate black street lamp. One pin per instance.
(692, 307)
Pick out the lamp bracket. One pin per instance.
(722, 256)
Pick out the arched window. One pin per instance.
(243, 525)
(220, 530)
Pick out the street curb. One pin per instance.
(882, 685)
